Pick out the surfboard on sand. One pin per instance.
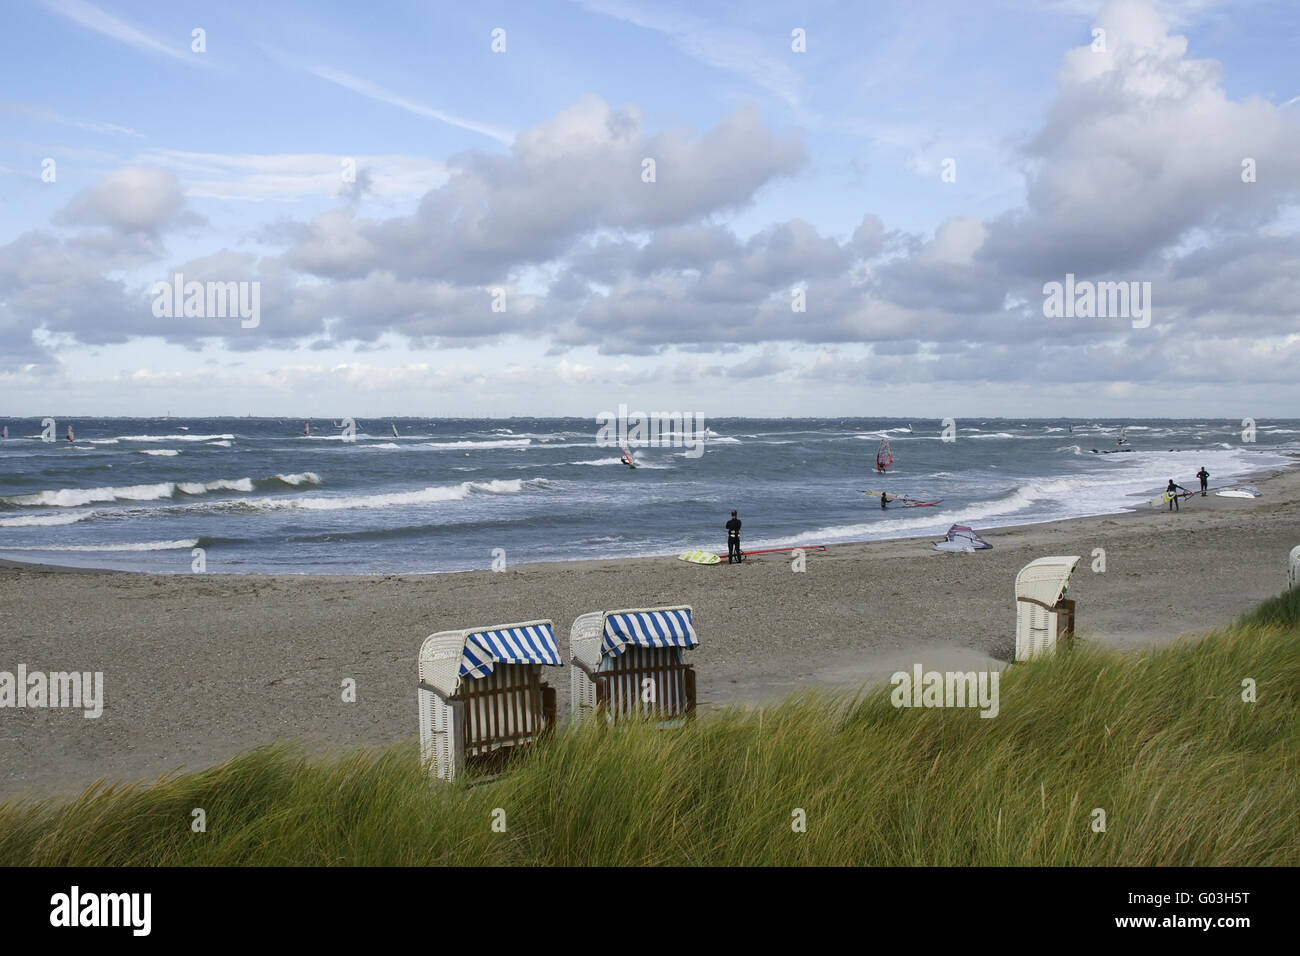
(1245, 491)
(699, 557)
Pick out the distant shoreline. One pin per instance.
(1261, 476)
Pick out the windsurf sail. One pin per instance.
(962, 538)
(4, 433)
(70, 438)
(627, 459)
(1164, 499)
(395, 435)
(306, 428)
(805, 548)
(884, 455)
(907, 502)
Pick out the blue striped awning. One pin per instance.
(666, 628)
(509, 645)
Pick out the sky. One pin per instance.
(749, 209)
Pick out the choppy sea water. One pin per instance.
(257, 495)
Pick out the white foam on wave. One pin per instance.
(500, 443)
(160, 452)
(219, 444)
(179, 544)
(396, 499)
(153, 438)
(221, 484)
(75, 497)
(599, 461)
(72, 497)
(40, 521)
(300, 478)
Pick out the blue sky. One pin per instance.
(521, 170)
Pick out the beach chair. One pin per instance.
(1043, 616)
(481, 696)
(1293, 568)
(631, 664)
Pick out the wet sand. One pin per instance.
(199, 667)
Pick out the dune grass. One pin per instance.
(1187, 772)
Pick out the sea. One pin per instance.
(420, 495)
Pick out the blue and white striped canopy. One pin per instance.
(671, 627)
(509, 645)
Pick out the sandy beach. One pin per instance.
(199, 667)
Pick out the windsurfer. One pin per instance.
(884, 500)
(733, 540)
(1172, 491)
(1205, 478)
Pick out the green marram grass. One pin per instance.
(1187, 772)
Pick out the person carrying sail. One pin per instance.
(1172, 491)
(1205, 478)
(884, 500)
(733, 540)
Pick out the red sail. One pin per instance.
(884, 457)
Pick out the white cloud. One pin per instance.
(131, 199)
(92, 18)
(726, 47)
(376, 92)
(291, 176)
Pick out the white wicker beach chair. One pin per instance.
(1293, 568)
(631, 664)
(1042, 617)
(481, 696)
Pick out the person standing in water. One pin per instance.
(884, 500)
(1205, 477)
(733, 540)
(1172, 492)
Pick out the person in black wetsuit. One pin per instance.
(1173, 491)
(884, 500)
(1205, 478)
(733, 540)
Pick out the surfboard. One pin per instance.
(1235, 493)
(699, 557)
(1163, 499)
